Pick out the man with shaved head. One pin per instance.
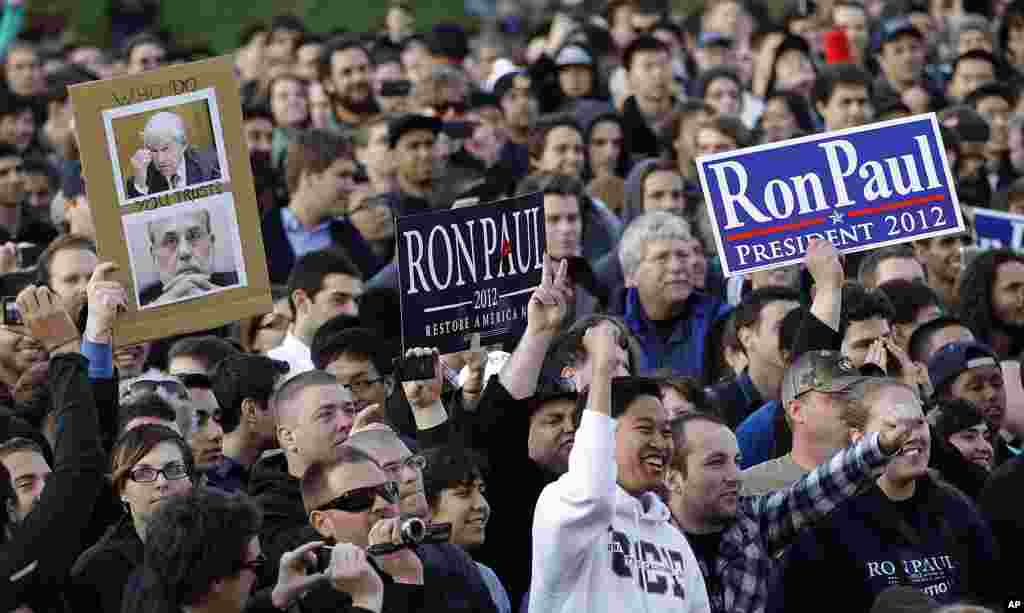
(314, 417)
(166, 161)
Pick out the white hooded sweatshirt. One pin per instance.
(589, 533)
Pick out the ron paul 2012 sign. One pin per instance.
(469, 270)
(860, 188)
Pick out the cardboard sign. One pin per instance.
(861, 188)
(996, 229)
(469, 270)
(171, 192)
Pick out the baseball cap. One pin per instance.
(508, 81)
(954, 358)
(573, 55)
(819, 371)
(408, 123)
(896, 27)
(245, 375)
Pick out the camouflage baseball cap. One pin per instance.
(820, 371)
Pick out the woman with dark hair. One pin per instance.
(605, 141)
(722, 90)
(792, 68)
(288, 97)
(957, 422)
(149, 464)
(786, 115)
(992, 300)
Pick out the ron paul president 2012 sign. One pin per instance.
(860, 188)
(469, 271)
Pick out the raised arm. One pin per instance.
(573, 511)
(785, 513)
(544, 316)
(29, 559)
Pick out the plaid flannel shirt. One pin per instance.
(766, 525)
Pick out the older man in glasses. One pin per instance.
(350, 499)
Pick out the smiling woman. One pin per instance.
(150, 463)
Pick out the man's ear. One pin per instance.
(795, 410)
(301, 301)
(321, 522)
(568, 372)
(855, 435)
(674, 481)
(744, 335)
(286, 439)
(819, 106)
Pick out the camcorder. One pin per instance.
(415, 368)
(414, 532)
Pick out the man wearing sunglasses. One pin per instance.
(454, 580)
(350, 499)
(314, 416)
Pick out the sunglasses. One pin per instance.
(444, 107)
(361, 499)
(149, 386)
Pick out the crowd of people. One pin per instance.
(844, 432)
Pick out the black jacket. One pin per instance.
(200, 167)
(641, 141)
(34, 564)
(100, 574)
(1000, 504)
(936, 541)
(285, 523)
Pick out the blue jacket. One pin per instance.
(684, 351)
(756, 435)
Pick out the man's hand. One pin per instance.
(8, 258)
(292, 577)
(424, 393)
(47, 321)
(370, 418)
(140, 165)
(404, 565)
(603, 349)
(106, 298)
(822, 261)
(894, 434)
(549, 303)
(185, 286)
(350, 572)
(878, 355)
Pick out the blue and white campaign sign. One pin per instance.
(469, 270)
(996, 229)
(859, 188)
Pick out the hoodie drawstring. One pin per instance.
(638, 556)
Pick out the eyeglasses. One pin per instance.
(147, 474)
(456, 107)
(358, 387)
(361, 499)
(255, 565)
(149, 386)
(414, 462)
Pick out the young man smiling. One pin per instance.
(601, 523)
